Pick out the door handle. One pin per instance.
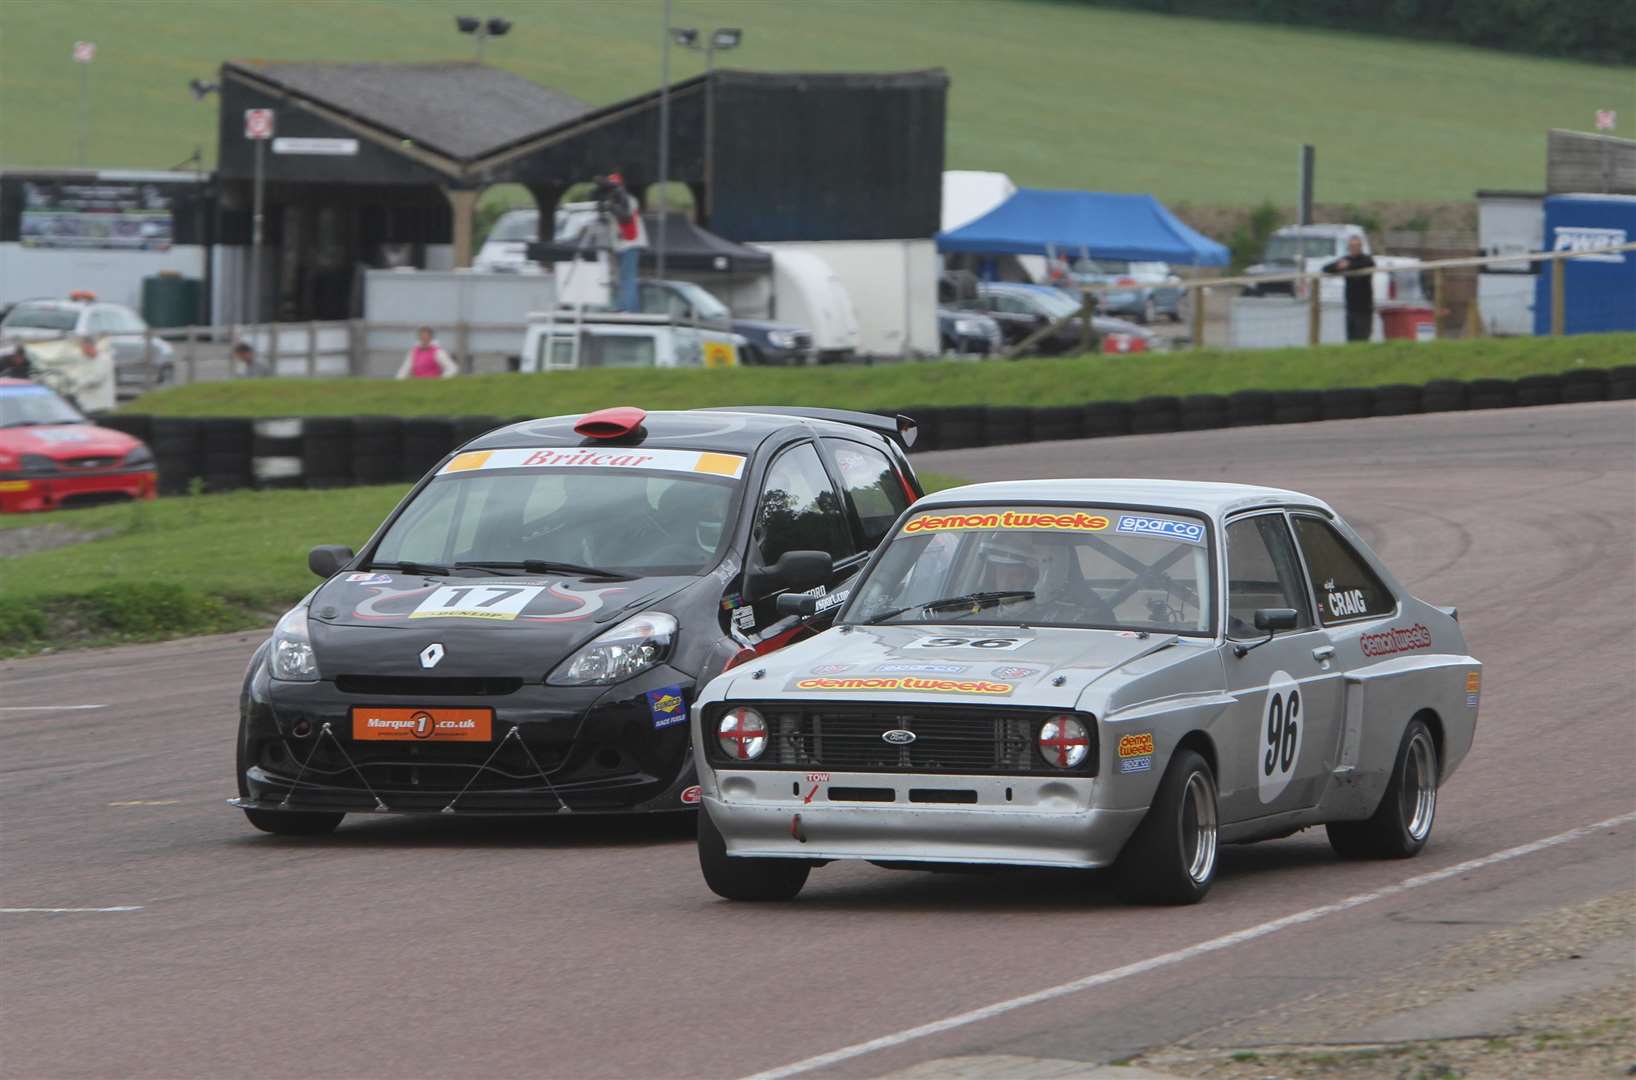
(1323, 652)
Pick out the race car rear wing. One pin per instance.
(900, 428)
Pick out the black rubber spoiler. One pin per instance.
(900, 428)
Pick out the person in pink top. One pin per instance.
(427, 360)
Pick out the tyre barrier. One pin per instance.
(228, 453)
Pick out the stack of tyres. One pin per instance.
(275, 452)
(136, 425)
(1004, 425)
(1539, 390)
(1201, 412)
(1104, 418)
(1490, 394)
(1297, 406)
(377, 449)
(225, 444)
(1445, 395)
(425, 440)
(1584, 384)
(1622, 382)
(1398, 399)
(176, 445)
(326, 452)
(1151, 415)
(1346, 402)
(962, 426)
(1249, 408)
(1055, 422)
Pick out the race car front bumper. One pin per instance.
(48, 491)
(897, 817)
(583, 749)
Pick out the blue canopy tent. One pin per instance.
(1100, 224)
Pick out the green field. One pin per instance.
(1056, 94)
(179, 566)
(894, 386)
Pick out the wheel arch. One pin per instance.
(1434, 724)
(1200, 742)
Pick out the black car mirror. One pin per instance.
(795, 571)
(326, 560)
(803, 604)
(1272, 620)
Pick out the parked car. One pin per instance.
(51, 456)
(505, 249)
(1090, 673)
(525, 632)
(564, 342)
(766, 342)
(1141, 290)
(968, 333)
(82, 315)
(1022, 309)
(1119, 336)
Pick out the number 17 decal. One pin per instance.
(1279, 747)
(503, 602)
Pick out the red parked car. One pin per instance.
(51, 456)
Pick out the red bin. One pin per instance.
(1409, 323)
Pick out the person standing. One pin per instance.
(1360, 290)
(427, 360)
(245, 363)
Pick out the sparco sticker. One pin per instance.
(989, 644)
(1140, 525)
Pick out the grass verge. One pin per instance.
(891, 386)
(178, 566)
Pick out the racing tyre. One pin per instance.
(1403, 820)
(1171, 859)
(746, 879)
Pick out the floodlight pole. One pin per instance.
(710, 130)
(85, 107)
(664, 143)
(255, 240)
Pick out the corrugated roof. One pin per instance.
(462, 109)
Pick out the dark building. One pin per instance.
(372, 164)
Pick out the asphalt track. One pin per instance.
(591, 948)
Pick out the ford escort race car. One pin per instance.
(1091, 673)
(525, 631)
(51, 456)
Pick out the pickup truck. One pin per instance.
(1311, 248)
(558, 341)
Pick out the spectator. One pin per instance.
(427, 360)
(1360, 290)
(14, 364)
(245, 364)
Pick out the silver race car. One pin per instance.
(1090, 673)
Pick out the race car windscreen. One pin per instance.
(642, 512)
(1043, 566)
(30, 406)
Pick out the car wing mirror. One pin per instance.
(326, 560)
(795, 571)
(1272, 620)
(803, 604)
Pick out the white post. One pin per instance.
(254, 305)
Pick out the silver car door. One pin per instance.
(1287, 711)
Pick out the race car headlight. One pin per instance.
(968, 328)
(782, 339)
(139, 455)
(742, 734)
(1064, 742)
(293, 659)
(628, 649)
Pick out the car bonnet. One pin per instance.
(1046, 666)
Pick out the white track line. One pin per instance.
(62, 910)
(48, 708)
(1153, 963)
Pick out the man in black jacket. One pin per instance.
(1360, 290)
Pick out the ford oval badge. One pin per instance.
(898, 737)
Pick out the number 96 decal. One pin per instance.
(1279, 747)
(991, 644)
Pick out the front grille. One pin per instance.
(417, 686)
(89, 462)
(948, 739)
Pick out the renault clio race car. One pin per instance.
(525, 631)
(1090, 673)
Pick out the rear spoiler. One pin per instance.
(900, 428)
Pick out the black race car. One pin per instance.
(524, 633)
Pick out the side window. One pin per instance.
(872, 484)
(1347, 589)
(1261, 573)
(799, 510)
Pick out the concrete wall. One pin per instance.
(114, 275)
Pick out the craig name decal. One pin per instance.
(1396, 640)
(1076, 521)
(906, 685)
(1345, 602)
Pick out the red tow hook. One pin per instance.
(796, 830)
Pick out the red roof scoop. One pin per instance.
(611, 423)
